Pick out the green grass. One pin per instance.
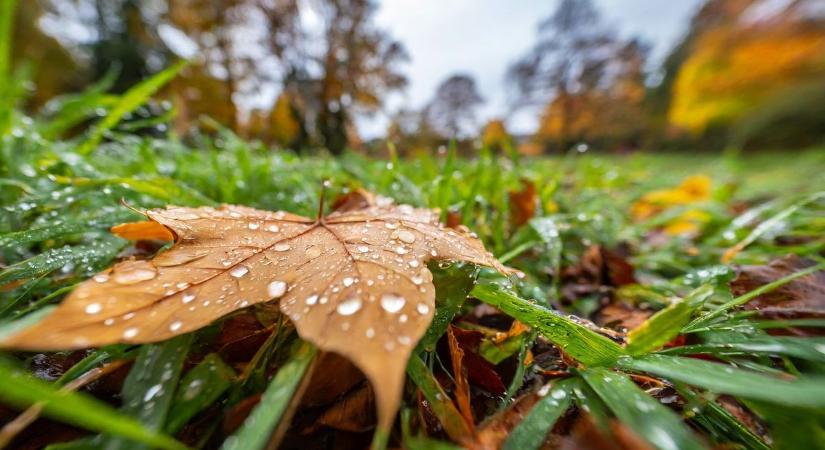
(60, 196)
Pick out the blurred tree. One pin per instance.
(454, 107)
(31, 47)
(591, 83)
(359, 67)
(494, 135)
(746, 62)
(569, 57)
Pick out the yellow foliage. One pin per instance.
(495, 135)
(734, 68)
(693, 189)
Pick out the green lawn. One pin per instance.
(60, 197)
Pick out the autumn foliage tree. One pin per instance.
(747, 61)
(588, 83)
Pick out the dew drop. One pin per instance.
(370, 333)
(406, 236)
(312, 299)
(281, 247)
(417, 279)
(276, 289)
(401, 250)
(391, 225)
(348, 281)
(93, 308)
(239, 271)
(187, 297)
(349, 306)
(363, 249)
(313, 251)
(254, 225)
(134, 276)
(175, 326)
(422, 309)
(273, 228)
(152, 392)
(130, 333)
(414, 263)
(392, 303)
(101, 278)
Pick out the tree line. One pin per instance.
(296, 74)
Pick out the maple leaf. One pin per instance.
(354, 282)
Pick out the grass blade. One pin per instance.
(130, 101)
(257, 429)
(723, 379)
(578, 341)
(803, 348)
(742, 299)
(532, 430)
(666, 324)
(201, 386)
(441, 405)
(22, 390)
(7, 8)
(642, 413)
(768, 225)
(103, 250)
(453, 284)
(150, 387)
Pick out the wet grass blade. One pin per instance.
(131, 100)
(666, 324)
(65, 228)
(769, 224)
(578, 341)
(201, 386)
(21, 390)
(742, 299)
(257, 429)
(642, 413)
(720, 423)
(7, 8)
(453, 284)
(150, 386)
(103, 250)
(441, 405)
(531, 432)
(723, 379)
(810, 349)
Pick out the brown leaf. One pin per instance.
(802, 297)
(462, 387)
(586, 435)
(355, 283)
(494, 431)
(523, 203)
(354, 412)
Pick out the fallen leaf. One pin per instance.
(523, 203)
(494, 431)
(353, 282)
(586, 435)
(354, 412)
(143, 230)
(693, 189)
(462, 387)
(802, 297)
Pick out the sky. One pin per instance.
(483, 37)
